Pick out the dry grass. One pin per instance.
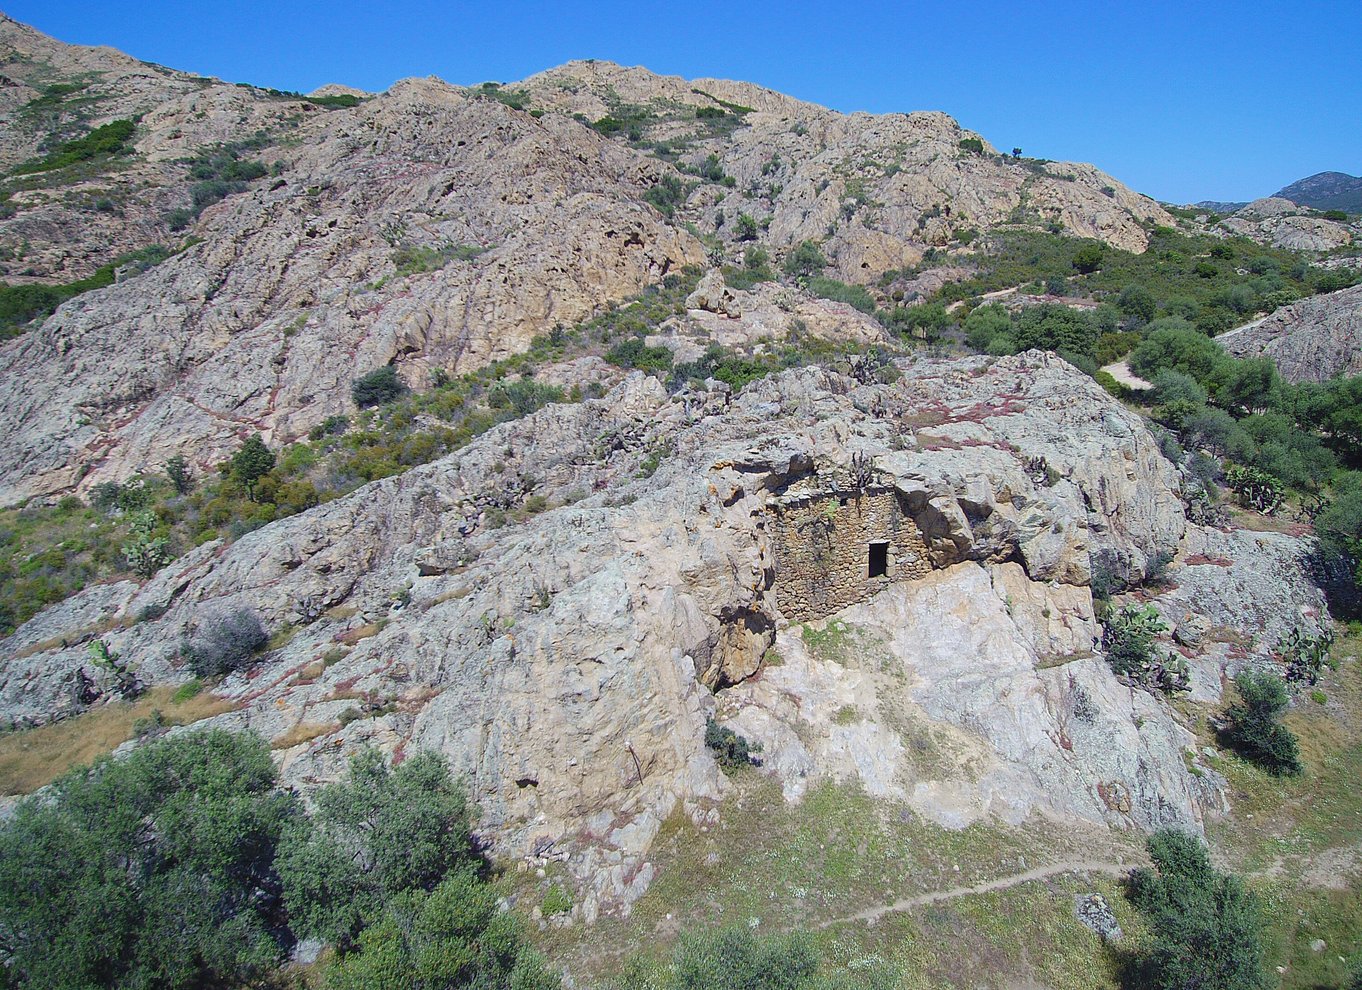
(840, 851)
(301, 733)
(33, 758)
(361, 632)
(59, 642)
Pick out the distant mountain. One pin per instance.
(1215, 206)
(1326, 191)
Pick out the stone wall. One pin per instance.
(822, 544)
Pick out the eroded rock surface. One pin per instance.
(1311, 340)
(1281, 223)
(567, 664)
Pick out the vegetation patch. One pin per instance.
(34, 758)
(20, 305)
(101, 143)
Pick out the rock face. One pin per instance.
(434, 227)
(525, 222)
(567, 665)
(1311, 340)
(1283, 224)
(876, 190)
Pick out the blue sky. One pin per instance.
(1183, 101)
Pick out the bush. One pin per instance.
(854, 295)
(634, 353)
(1054, 328)
(984, 324)
(1252, 725)
(224, 642)
(1206, 927)
(972, 144)
(152, 871)
(377, 387)
(1177, 386)
(666, 194)
(1173, 343)
(736, 958)
(1129, 642)
(180, 474)
(806, 259)
(731, 750)
(1088, 258)
(374, 837)
(746, 227)
(523, 396)
(557, 901)
(1254, 489)
(453, 936)
(251, 463)
(110, 139)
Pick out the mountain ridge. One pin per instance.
(431, 227)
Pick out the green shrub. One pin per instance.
(252, 461)
(972, 145)
(666, 194)
(186, 691)
(377, 387)
(735, 958)
(557, 901)
(151, 871)
(1128, 639)
(21, 304)
(1206, 927)
(1253, 727)
(1089, 257)
(108, 140)
(179, 474)
(805, 260)
(985, 323)
(523, 396)
(731, 750)
(830, 288)
(379, 834)
(634, 353)
(219, 171)
(338, 101)
(451, 936)
(756, 268)
(417, 260)
(224, 642)
(746, 229)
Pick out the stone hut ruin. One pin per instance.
(839, 541)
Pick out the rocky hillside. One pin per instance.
(1281, 223)
(1312, 340)
(1326, 191)
(432, 227)
(567, 665)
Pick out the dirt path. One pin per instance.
(1120, 370)
(1001, 883)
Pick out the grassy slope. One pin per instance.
(839, 852)
(35, 757)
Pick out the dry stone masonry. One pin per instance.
(840, 545)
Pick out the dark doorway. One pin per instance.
(879, 560)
